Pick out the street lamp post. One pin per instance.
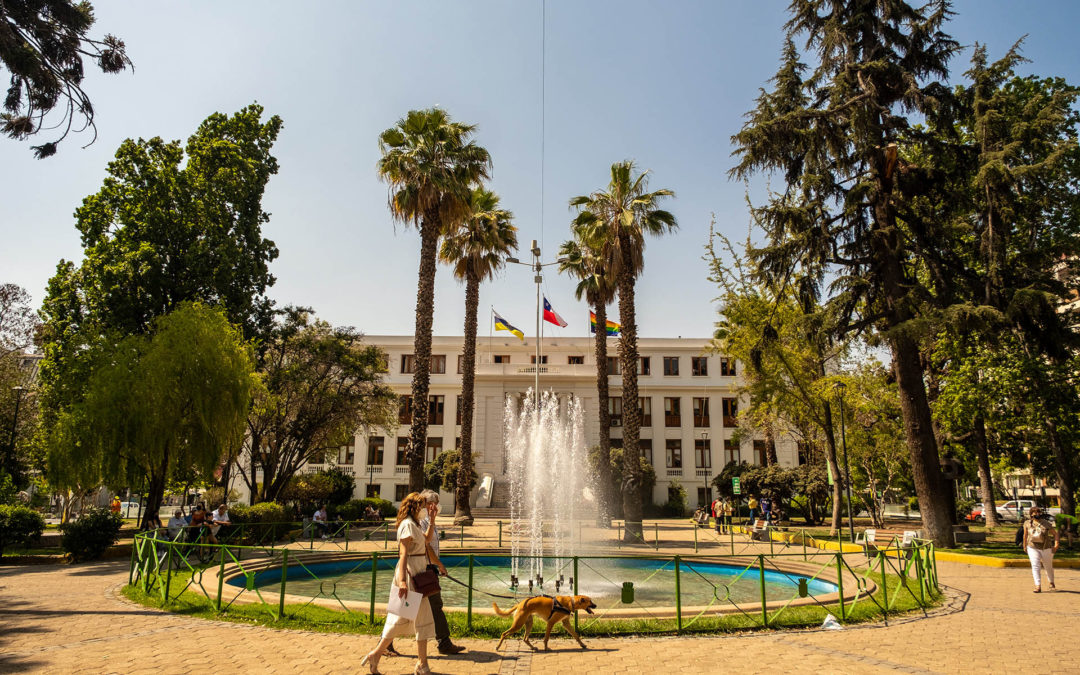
(537, 267)
(840, 388)
(705, 454)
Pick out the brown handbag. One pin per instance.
(427, 582)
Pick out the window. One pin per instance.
(727, 366)
(434, 447)
(804, 453)
(401, 492)
(543, 359)
(701, 411)
(672, 412)
(375, 447)
(759, 453)
(699, 366)
(435, 409)
(704, 496)
(614, 365)
(347, 454)
(615, 410)
(731, 452)
(646, 411)
(730, 411)
(646, 449)
(457, 414)
(402, 458)
(671, 365)
(372, 491)
(457, 443)
(404, 415)
(575, 360)
(408, 364)
(702, 453)
(438, 364)
(460, 364)
(645, 365)
(674, 453)
(500, 358)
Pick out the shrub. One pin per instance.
(342, 486)
(354, 509)
(913, 503)
(257, 520)
(442, 472)
(676, 503)
(89, 536)
(19, 525)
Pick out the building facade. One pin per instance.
(689, 407)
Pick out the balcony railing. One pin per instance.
(401, 470)
(703, 473)
(674, 472)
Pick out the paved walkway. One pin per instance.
(69, 619)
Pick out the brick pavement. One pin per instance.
(69, 619)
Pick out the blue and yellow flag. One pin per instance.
(503, 324)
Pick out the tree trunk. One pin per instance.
(1065, 484)
(605, 500)
(919, 432)
(462, 508)
(770, 445)
(155, 491)
(834, 468)
(986, 484)
(628, 354)
(425, 307)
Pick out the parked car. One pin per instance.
(977, 515)
(1011, 510)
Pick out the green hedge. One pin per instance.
(354, 509)
(19, 525)
(89, 536)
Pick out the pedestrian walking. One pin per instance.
(1041, 541)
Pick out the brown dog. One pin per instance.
(549, 609)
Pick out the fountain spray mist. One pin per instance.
(548, 469)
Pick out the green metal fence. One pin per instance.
(870, 583)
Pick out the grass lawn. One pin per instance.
(308, 617)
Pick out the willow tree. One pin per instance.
(833, 138)
(157, 406)
(616, 221)
(585, 264)
(476, 251)
(431, 165)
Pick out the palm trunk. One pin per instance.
(628, 354)
(604, 498)
(462, 508)
(770, 445)
(425, 308)
(986, 484)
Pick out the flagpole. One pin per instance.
(538, 278)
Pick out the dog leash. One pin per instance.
(494, 595)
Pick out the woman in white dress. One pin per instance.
(413, 557)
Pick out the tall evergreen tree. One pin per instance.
(476, 251)
(431, 165)
(834, 138)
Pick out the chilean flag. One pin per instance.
(551, 317)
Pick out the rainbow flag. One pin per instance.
(612, 327)
(503, 324)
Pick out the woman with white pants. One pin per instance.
(1041, 542)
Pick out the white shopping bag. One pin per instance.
(407, 607)
(831, 623)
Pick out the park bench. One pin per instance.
(881, 538)
(760, 530)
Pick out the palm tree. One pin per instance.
(616, 222)
(476, 250)
(431, 165)
(598, 289)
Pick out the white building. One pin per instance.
(689, 405)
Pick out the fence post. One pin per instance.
(840, 583)
(804, 545)
(284, 577)
(575, 589)
(168, 573)
(768, 530)
(678, 596)
(884, 587)
(695, 539)
(131, 570)
(468, 617)
(346, 536)
(220, 579)
(374, 572)
(933, 561)
(761, 577)
(500, 534)
(656, 531)
(462, 535)
(618, 535)
(731, 535)
(921, 574)
(386, 535)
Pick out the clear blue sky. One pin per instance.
(664, 83)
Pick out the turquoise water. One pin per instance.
(602, 580)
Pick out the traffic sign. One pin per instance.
(735, 487)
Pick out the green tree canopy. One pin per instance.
(157, 405)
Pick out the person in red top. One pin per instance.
(198, 521)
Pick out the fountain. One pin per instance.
(548, 471)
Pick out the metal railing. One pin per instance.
(875, 584)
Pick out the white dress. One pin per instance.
(424, 626)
